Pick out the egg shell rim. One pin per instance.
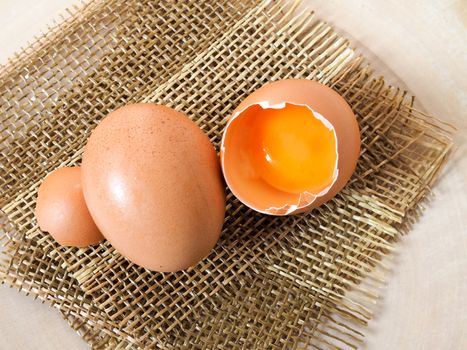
(289, 208)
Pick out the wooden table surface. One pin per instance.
(422, 43)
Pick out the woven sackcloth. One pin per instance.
(298, 282)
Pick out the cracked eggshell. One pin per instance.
(327, 106)
(152, 182)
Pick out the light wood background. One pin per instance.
(422, 43)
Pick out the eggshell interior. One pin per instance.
(243, 175)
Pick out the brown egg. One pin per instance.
(61, 209)
(152, 182)
(289, 147)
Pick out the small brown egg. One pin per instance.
(153, 184)
(61, 209)
(290, 146)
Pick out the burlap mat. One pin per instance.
(271, 282)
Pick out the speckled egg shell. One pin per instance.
(152, 182)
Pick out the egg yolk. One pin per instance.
(294, 151)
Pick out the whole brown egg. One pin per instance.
(61, 209)
(152, 182)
